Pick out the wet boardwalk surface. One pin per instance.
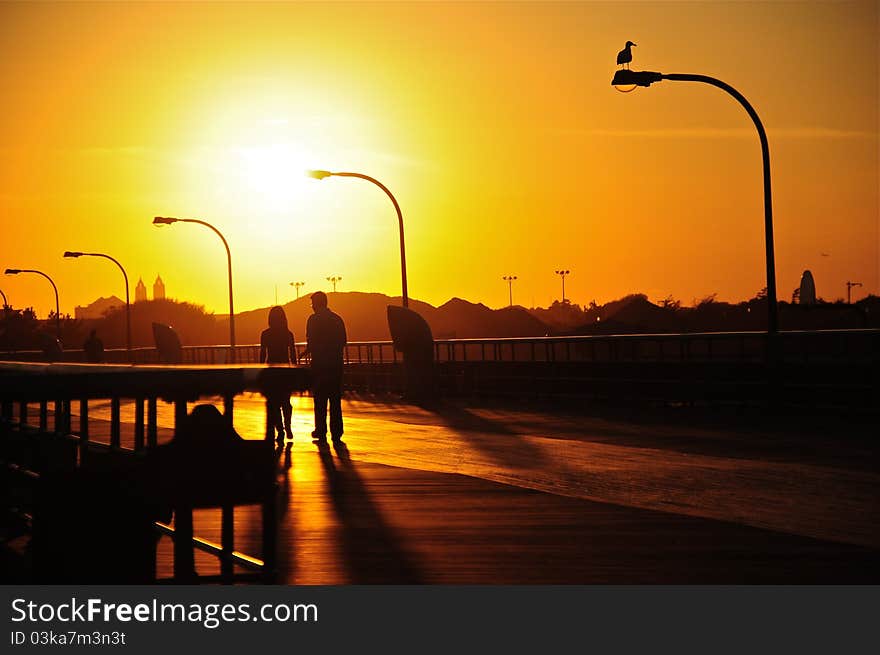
(459, 494)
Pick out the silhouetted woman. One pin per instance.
(278, 347)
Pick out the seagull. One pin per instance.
(625, 56)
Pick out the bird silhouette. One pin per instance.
(625, 56)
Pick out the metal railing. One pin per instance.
(680, 347)
(59, 389)
(831, 368)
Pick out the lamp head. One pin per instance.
(319, 175)
(164, 220)
(68, 253)
(626, 77)
(13, 271)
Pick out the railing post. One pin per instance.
(44, 416)
(152, 423)
(23, 413)
(227, 542)
(83, 429)
(270, 426)
(114, 422)
(184, 555)
(59, 419)
(138, 424)
(179, 415)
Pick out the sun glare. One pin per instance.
(272, 175)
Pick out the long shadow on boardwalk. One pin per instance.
(469, 424)
(371, 549)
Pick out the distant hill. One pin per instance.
(460, 319)
(98, 308)
(365, 318)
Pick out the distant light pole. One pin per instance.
(509, 279)
(16, 271)
(562, 273)
(320, 175)
(849, 286)
(5, 302)
(166, 220)
(626, 77)
(297, 285)
(333, 280)
(76, 254)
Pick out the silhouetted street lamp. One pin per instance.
(320, 175)
(626, 77)
(5, 302)
(333, 280)
(562, 273)
(125, 277)
(849, 286)
(16, 271)
(509, 279)
(167, 220)
(297, 285)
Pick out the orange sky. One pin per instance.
(494, 125)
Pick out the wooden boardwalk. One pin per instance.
(466, 495)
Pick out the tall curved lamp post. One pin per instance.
(167, 220)
(75, 254)
(320, 175)
(16, 271)
(5, 302)
(630, 78)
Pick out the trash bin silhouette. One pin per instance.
(412, 336)
(167, 344)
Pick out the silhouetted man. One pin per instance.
(94, 348)
(325, 333)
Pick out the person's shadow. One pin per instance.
(283, 455)
(372, 551)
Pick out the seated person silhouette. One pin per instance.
(94, 348)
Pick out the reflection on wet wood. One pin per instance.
(488, 496)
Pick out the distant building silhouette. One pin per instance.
(158, 289)
(140, 291)
(98, 308)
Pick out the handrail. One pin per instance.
(540, 348)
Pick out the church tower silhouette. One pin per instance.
(158, 289)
